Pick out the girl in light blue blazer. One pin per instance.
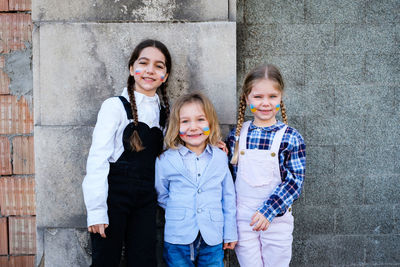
(195, 187)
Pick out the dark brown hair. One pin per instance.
(136, 143)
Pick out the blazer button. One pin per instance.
(242, 152)
(273, 154)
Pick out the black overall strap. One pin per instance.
(127, 107)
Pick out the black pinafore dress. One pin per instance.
(132, 200)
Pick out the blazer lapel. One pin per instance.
(176, 161)
(210, 167)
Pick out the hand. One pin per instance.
(98, 228)
(261, 223)
(230, 245)
(222, 146)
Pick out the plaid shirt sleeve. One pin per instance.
(292, 164)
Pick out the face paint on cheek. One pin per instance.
(206, 131)
(252, 108)
(138, 71)
(162, 78)
(182, 134)
(277, 107)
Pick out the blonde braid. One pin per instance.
(283, 112)
(135, 142)
(241, 111)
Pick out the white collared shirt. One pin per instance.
(107, 147)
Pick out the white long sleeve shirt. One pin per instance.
(107, 147)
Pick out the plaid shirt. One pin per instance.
(292, 164)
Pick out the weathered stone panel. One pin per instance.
(61, 154)
(60, 253)
(95, 67)
(128, 10)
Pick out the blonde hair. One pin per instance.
(172, 138)
(268, 72)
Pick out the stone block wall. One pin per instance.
(81, 51)
(340, 61)
(17, 181)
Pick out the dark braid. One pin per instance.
(136, 143)
(163, 89)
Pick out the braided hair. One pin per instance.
(136, 143)
(269, 72)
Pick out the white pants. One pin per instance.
(270, 248)
(258, 176)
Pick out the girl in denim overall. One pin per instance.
(119, 188)
(268, 159)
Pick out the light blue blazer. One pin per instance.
(208, 206)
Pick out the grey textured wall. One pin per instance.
(80, 51)
(340, 60)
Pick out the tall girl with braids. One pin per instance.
(119, 188)
(268, 160)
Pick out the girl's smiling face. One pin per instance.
(193, 125)
(265, 98)
(149, 71)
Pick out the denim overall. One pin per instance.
(131, 200)
(257, 177)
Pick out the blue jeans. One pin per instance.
(196, 254)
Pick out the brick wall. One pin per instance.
(17, 184)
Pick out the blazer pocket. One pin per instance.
(175, 214)
(216, 216)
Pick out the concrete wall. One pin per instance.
(340, 63)
(340, 60)
(81, 51)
